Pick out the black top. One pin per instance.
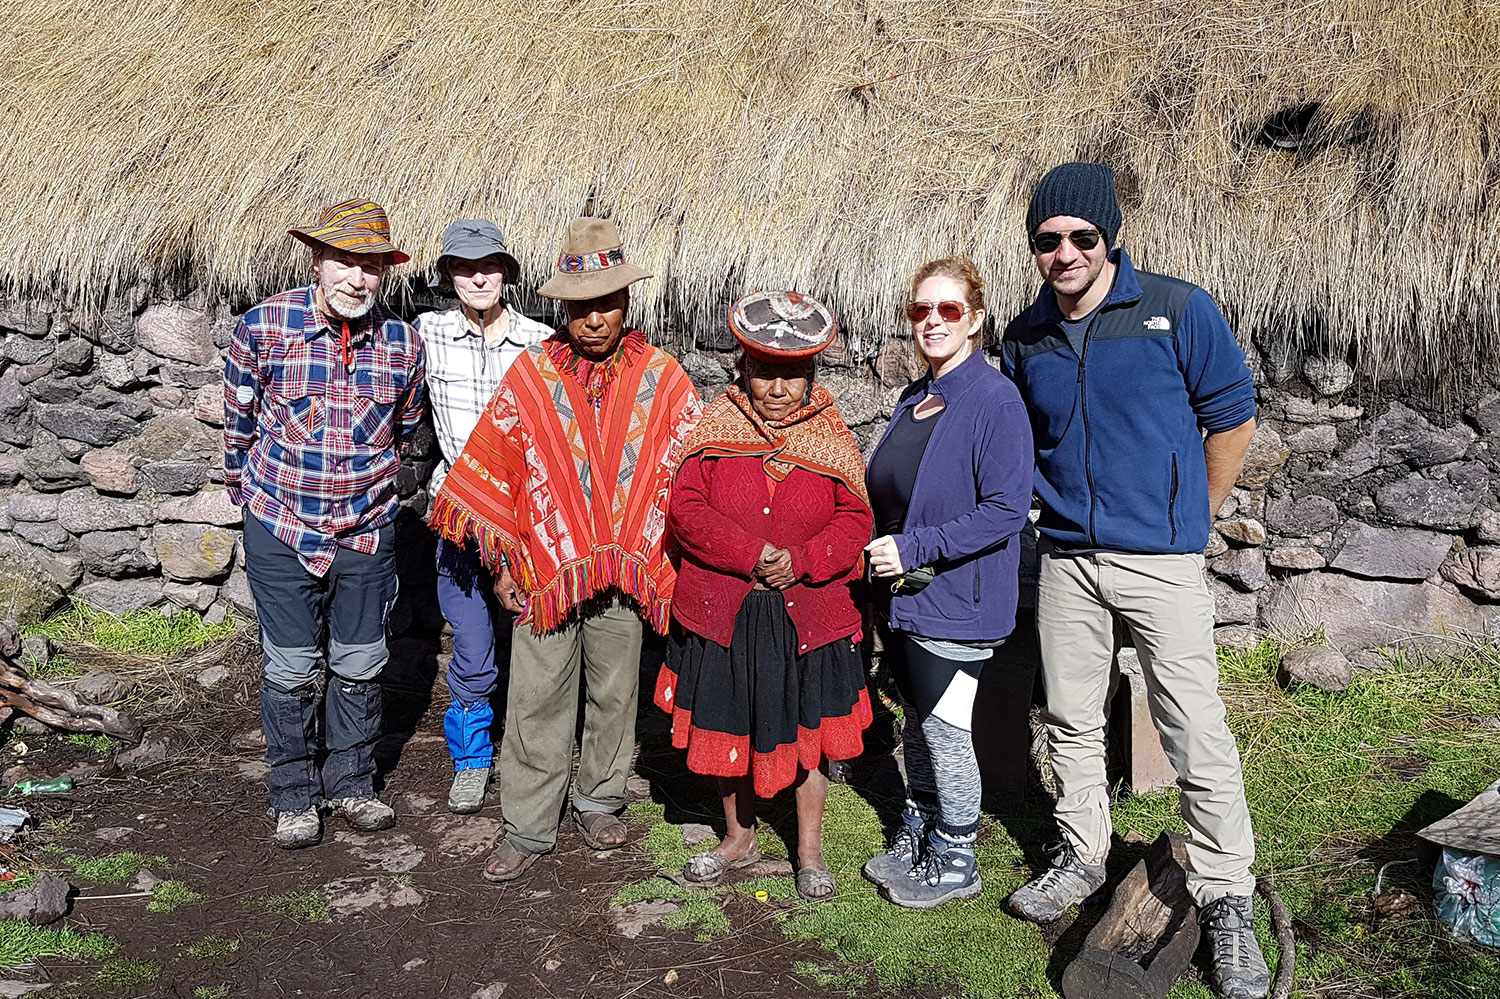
(892, 472)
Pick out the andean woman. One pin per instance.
(763, 676)
(951, 486)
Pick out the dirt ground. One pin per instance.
(410, 915)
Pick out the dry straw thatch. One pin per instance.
(736, 147)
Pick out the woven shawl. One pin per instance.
(575, 500)
(815, 437)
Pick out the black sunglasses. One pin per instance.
(1084, 239)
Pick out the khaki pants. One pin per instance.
(1165, 602)
(536, 753)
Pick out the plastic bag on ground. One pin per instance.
(1468, 895)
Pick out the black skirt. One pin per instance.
(759, 708)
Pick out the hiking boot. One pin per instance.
(365, 814)
(295, 830)
(944, 871)
(1066, 883)
(1239, 969)
(902, 854)
(466, 796)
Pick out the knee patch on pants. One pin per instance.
(357, 662)
(289, 670)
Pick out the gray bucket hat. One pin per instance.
(473, 239)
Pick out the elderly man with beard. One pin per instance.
(563, 488)
(320, 384)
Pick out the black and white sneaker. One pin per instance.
(1066, 883)
(944, 871)
(1239, 968)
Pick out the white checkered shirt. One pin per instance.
(463, 372)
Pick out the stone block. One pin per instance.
(704, 369)
(192, 378)
(1301, 517)
(116, 554)
(1476, 570)
(20, 349)
(83, 512)
(1244, 530)
(1295, 557)
(27, 592)
(175, 477)
(192, 596)
(1360, 613)
(175, 437)
(119, 597)
(1489, 522)
(89, 426)
(1445, 497)
(178, 332)
(1389, 552)
(1402, 435)
(1318, 666)
(211, 506)
(55, 391)
(74, 356)
(111, 472)
(131, 405)
(1327, 375)
(117, 371)
(1264, 457)
(36, 508)
(1238, 636)
(1244, 568)
(898, 364)
(13, 395)
(1486, 413)
(208, 405)
(32, 318)
(1216, 545)
(193, 552)
(48, 536)
(103, 687)
(236, 593)
(169, 397)
(63, 568)
(12, 469)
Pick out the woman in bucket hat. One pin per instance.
(563, 489)
(469, 349)
(764, 679)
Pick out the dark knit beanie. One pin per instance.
(1082, 190)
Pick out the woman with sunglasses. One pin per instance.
(950, 484)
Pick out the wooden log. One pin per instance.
(61, 708)
(1146, 939)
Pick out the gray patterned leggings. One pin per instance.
(942, 773)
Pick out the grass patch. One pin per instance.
(213, 948)
(211, 992)
(704, 914)
(55, 668)
(168, 895)
(96, 741)
(111, 867)
(145, 632)
(839, 981)
(128, 973)
(302, 904)
(22, 943)
(1337, 784)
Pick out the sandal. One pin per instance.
(708, 867)
(507, 862)
(815, 884)
(601, 830)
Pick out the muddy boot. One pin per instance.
(352, 726)
(945, 871)
(288, 721)
(468, 732)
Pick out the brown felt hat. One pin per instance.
(356, 226)
(592, 263)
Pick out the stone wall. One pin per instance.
(1356, 513)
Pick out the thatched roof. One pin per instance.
(744, 144)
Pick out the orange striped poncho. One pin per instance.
(574, 498)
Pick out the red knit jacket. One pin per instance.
(723, 513)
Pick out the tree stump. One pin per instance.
(1146, 939)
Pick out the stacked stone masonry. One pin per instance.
(1357, 513)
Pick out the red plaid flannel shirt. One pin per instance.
(310, 446)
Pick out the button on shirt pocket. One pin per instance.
(373, 422)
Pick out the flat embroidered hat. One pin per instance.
(356, 226)
(782, 326)
(592, 263)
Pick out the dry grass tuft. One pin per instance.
(750, 144)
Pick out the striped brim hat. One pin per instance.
(356, 226)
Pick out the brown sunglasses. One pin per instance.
(948, 312)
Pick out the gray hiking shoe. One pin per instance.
(365, 814)
(1239, 968)
(295, 830)
(466, 796)
(898, 858)
(1066, 883)
(945, 871)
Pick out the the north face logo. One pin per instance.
(1157, 323)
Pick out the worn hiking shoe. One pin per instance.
(365, 814)
(1066, 883)
(295, 830)
(898, 858)
(944, 871)
(466, 796)
(1239, 968)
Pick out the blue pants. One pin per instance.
(467, 599)
(297, 610)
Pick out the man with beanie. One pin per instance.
(468, 351)
(1142, 408)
